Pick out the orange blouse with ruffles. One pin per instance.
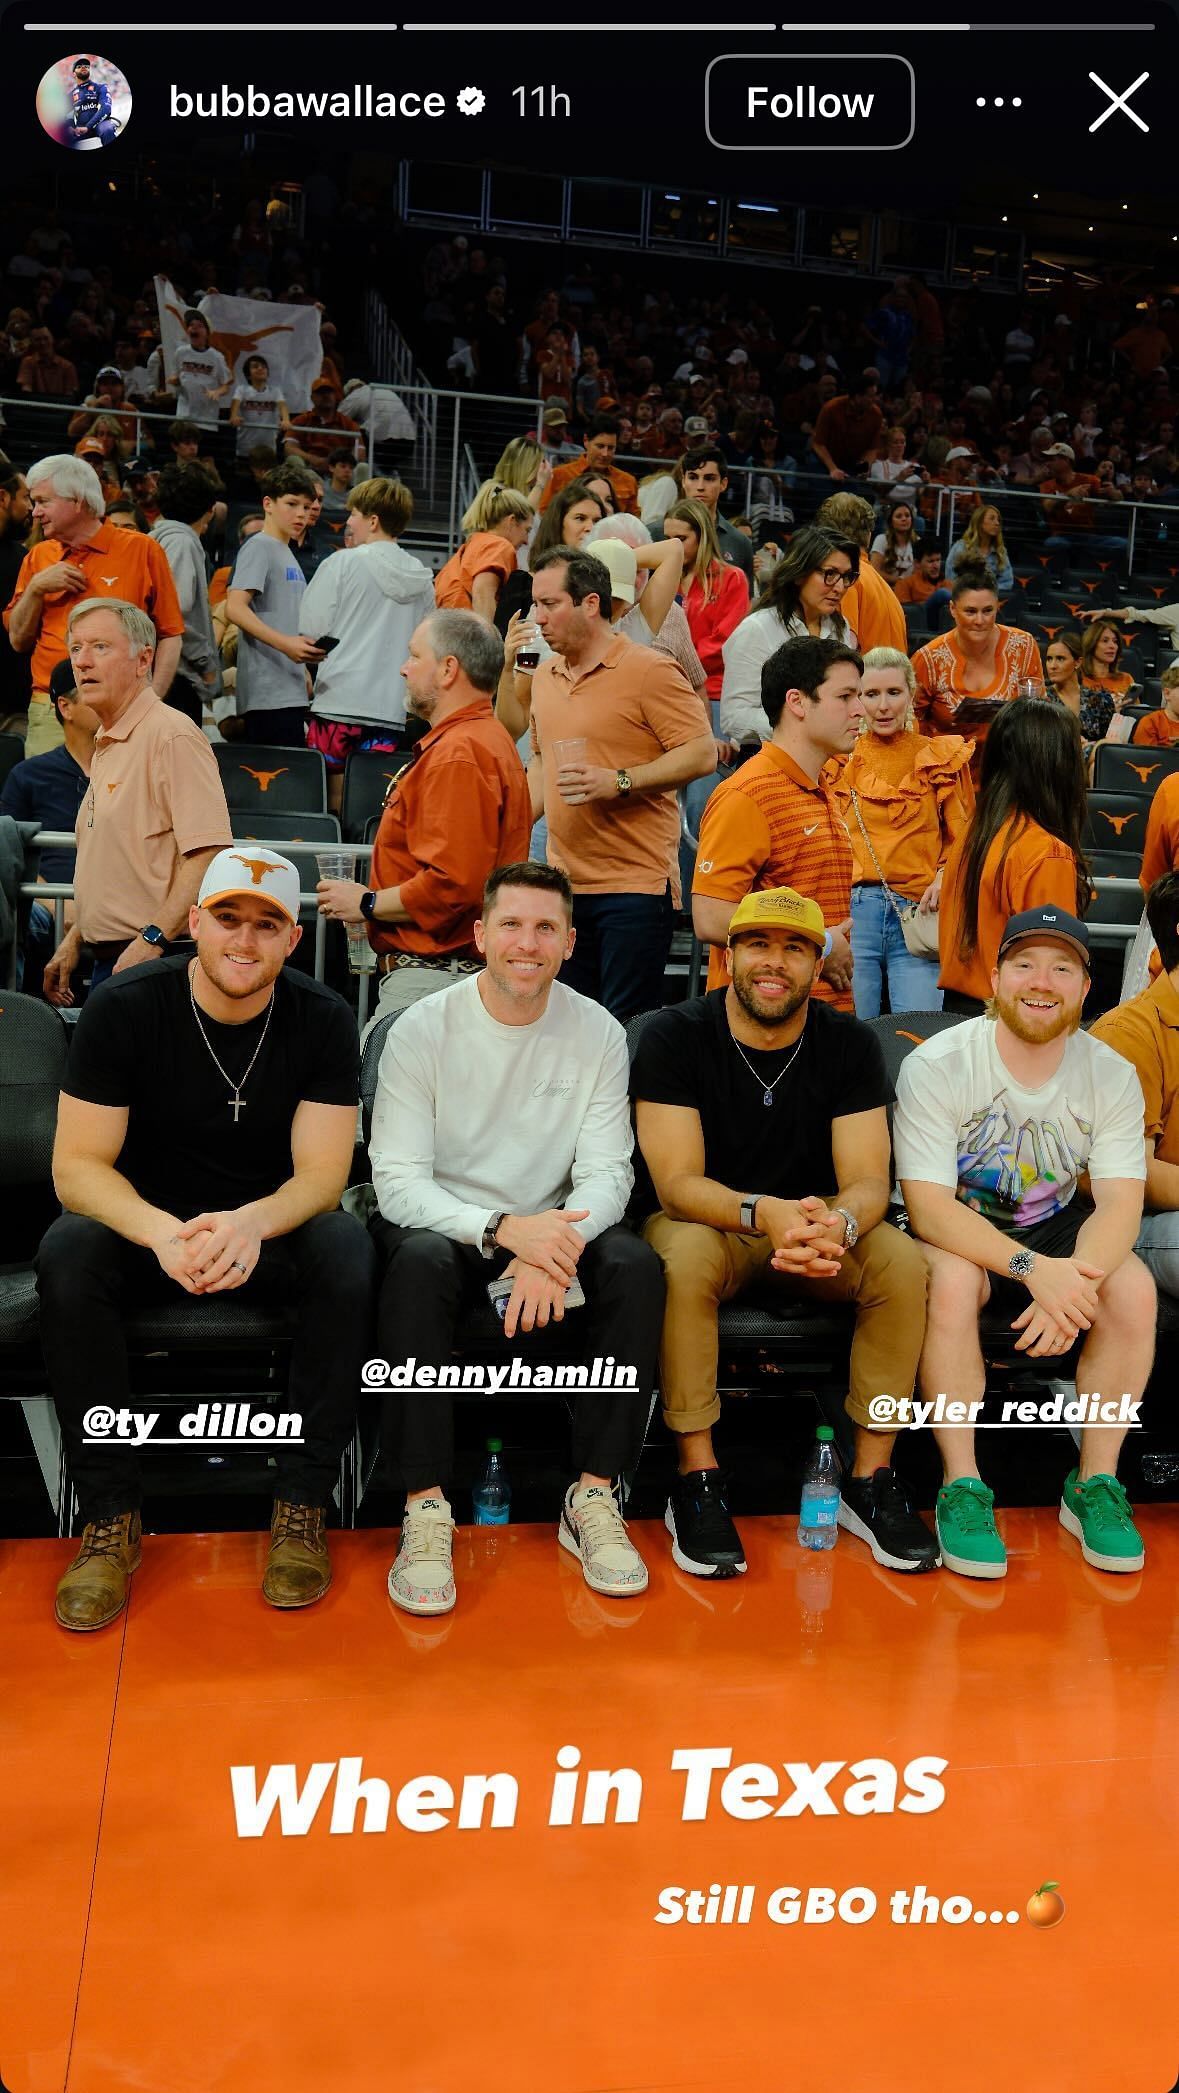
(916, 798)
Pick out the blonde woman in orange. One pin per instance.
(905, 799)
(494, 528)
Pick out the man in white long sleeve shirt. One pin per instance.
(501, 1147)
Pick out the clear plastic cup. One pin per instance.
(341, 864)
(567, 753)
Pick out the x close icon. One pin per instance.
(1119, 101)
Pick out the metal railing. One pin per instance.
(59, 891)
(460, 436)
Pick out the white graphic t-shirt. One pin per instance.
(1011, 1154)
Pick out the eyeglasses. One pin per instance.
(834, 577)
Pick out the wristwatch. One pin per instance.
(368, 902)
(487, 1242)
(851, 1227)
(749, 1213)
(1022, 1264)
(153, 935)
(623, 781)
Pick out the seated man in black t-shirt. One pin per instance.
(762, 1118)
(204, 1137)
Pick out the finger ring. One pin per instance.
(237, 1266)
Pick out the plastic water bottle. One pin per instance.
(818, 1513)
(492, 1495)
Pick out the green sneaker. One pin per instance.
(966, 1529)
(1098, 1515)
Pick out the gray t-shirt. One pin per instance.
(266, 680)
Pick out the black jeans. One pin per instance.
(623, 942)
(87, 1278)
(186, 697)
(283, 728)
(432, 1285)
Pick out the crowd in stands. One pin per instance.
(856, 756)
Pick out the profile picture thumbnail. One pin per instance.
(83, 102)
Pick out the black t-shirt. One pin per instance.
(687, 1056)
(136, 1045)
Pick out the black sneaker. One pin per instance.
(879, 1509)
(704, 1540)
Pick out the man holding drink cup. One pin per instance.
(615, 729)
(457, 808)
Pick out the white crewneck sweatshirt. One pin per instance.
(473, 1117)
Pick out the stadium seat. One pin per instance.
(1121, 767)
(916, 625)
(12, 751)
(367, 779)
(259, 825)
(276, 780)
(1115, 824)
(34, 1045)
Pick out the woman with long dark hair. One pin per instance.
(1023, 849)
(803, 596)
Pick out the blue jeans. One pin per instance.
(1158, 1247)
(623, 942)
(879, 954)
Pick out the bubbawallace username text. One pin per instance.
(362, 99)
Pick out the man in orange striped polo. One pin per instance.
(774, 822)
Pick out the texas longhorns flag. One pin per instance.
(286, 335)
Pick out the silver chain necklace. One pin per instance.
(767, 1096)
(236, 1100)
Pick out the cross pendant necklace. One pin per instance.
(237, 1102)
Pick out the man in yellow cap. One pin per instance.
(762, 1119)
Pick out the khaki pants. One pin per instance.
(402, 986)
(45, 730)
(883, 1279)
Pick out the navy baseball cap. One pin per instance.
(1045, 923)
(61, 680)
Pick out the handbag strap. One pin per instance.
(889, 896)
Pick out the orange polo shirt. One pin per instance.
(1157, 731)
(940, 669)
(770, 825)
(127, 564)
(626, 489)
(631, 708)
(485, 553)
(459, 807)
(155, 795)
(1145, 1031)
(1039, 870)
(873, 611)
(1160, 852)
(915, 799)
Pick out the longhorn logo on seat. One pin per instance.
(265, 778)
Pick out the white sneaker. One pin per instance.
(422, 1580)
(593, 1528)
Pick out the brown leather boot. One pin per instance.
(298, 1567)
(94, 1588)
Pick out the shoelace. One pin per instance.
(889, 1488)
(972, 1510)
(299, 1522)
(108, 1536)
(425, 1537)
(1113, 1503)
(601, 1523)
(709, 1501)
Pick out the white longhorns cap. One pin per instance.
(249, 868)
